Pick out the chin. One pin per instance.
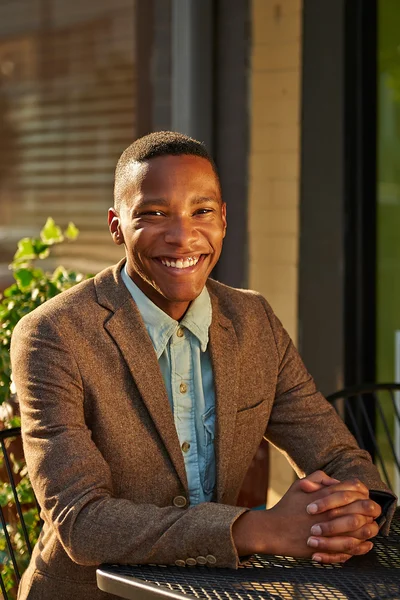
(182, 296)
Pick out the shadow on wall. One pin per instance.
(9, 157)
(8, 143)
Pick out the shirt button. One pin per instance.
(179, 501)
(180, 332)
(211, 559)
(201, 560)
(191, 562)
(185, 446)
(183, 388)
(180, 563)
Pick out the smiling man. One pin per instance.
(145, 393)
(170, 217)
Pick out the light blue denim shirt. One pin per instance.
(185, 364)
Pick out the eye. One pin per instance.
(150, 213)
(203, 211)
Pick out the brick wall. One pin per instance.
(274, 171)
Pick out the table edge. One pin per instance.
(150, 591)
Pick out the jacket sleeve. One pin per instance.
(72, 480)
(307, 429)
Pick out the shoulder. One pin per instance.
(78, 303)
(235, 299)
(246, 310)
(67, 301)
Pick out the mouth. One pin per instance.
(181, 263)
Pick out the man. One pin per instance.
(146, 391)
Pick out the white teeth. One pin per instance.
(180, 263)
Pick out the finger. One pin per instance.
(352, 485)
(328, 559)
(367, 532)
(339, 545)
(321, 478)
(332, 557)
(357, 526)
(333, 500)
(306, 485)
(362, 507)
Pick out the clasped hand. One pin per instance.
(340, 517)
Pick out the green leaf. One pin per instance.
(11, 291)
(14, 422)
(25, 251)
(60, 274)
(71, 232)
(24, 278)
(41, 249)
(51, 233)
(38, 273)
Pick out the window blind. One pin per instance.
(68, 108)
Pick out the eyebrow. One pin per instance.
(145, 202)
(202, 199)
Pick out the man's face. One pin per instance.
(172, 222)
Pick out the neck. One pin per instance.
(174, 309)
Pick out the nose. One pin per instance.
(180, 232)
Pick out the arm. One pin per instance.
(306, 428)
(73, 481)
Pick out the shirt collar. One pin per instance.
(161, 326)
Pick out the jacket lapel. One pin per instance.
(126, 327)
(224, 356)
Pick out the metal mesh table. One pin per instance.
(376, 575)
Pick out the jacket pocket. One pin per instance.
(252, 414)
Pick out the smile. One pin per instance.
(180, 263)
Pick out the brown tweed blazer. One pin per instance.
(100, 440)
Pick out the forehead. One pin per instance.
(171, 172)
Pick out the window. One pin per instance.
(68, 107)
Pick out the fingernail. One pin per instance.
(312, 508)
(317, 557)
(313, 542)
(316, 530)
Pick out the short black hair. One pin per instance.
(158, 143)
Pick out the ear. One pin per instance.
(114, 225)
(223, 210)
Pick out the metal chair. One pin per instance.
(19, 513)
(372, 413)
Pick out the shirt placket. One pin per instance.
(182, 383)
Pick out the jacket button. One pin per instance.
(179, 501)
(191, 562)
(211, 559)
(201, 560)
(180, 563)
